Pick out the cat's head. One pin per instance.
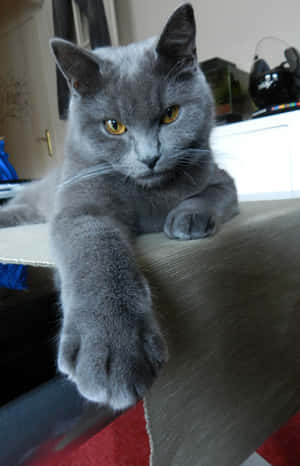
(145, 108)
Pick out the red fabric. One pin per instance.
(283, 447)
(123, 443)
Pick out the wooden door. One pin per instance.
(27, 92)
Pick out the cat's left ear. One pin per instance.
(178, 38)
(79, 66)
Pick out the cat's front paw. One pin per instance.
(185, 224)
(113, 362)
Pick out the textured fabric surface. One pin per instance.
(230, 310)
(27, 245)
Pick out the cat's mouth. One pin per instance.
(154, 178)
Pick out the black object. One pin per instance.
(29, 326)
(63, 22)
(276, 109)
(276, 86)
(47, 420)
(230, 89)
(41, 413)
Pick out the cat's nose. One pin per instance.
(151, 161)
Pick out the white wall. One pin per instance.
(228, 29)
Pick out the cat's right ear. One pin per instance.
(79, 66)
(178, 38)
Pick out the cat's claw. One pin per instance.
(186, 224)
(116, 369)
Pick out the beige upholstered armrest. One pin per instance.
(28, 245)
(230, 309)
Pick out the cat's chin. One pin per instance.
(154, 180)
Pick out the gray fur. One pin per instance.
(110, 343)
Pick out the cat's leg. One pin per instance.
(32, 204)
(110, 343)
(17, 212)
(202, 214)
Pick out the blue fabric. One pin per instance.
(7, 171)
(11, 275)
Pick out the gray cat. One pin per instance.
(137, 160)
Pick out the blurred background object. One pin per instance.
(230, 89)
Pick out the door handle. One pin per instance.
(47, 140)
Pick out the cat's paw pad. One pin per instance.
(187, 224)
(115, 369)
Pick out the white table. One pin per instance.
(262, 155)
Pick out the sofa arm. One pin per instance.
(229, 307)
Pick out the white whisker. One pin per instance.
(189, 152)
(100, 169)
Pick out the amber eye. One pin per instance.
(170, 114)
(115, 127)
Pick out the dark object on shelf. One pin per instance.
(230, 89)
(273, 87)
(276, 109)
